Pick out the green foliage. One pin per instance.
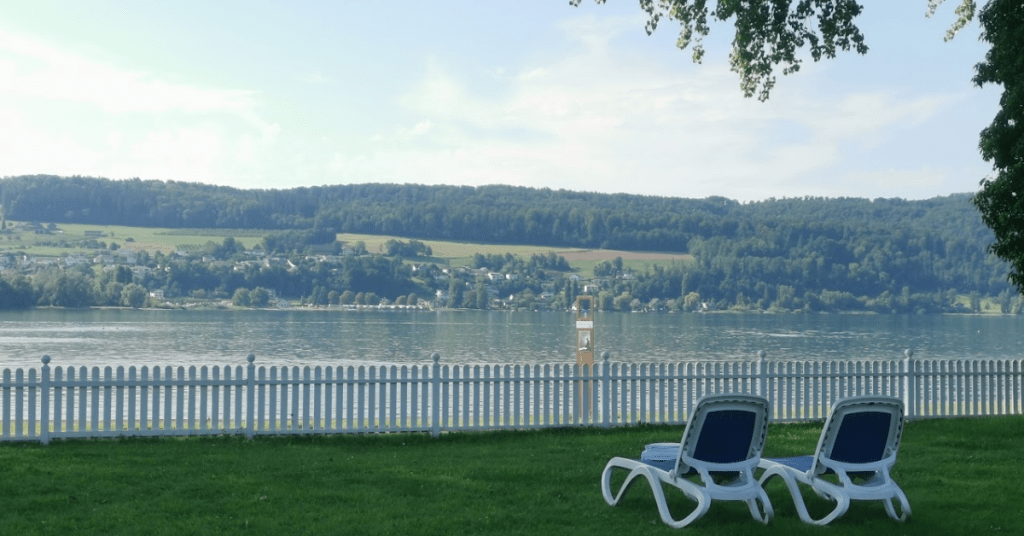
(770, 34)
(478, 298)
(1001, 199)
(63, 288)
(259, 297)
(767, 34)
(610, 268)
(133, 295)
(16, 293)
(227, 249)
(487, 215)
(810, 254)
(109, 285)
(411, 249)
(964, 14)
(455, 292)
(509, 263)
(241, 298)
(287, 242)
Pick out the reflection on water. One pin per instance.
(321, 338)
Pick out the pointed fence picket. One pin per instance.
(40, 405)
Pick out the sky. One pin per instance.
(535, 93)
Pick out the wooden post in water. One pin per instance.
(585, 353)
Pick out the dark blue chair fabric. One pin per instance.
(862, 437)
(725, 436)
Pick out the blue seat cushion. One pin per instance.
(725, 436)
(800, 463)
(862, 437)
(664, 465)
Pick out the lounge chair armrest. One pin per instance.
(881, 465)
(744, 465)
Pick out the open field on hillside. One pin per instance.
(582, 260)
(128, 238)
(454, 254)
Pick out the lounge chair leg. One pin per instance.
(842, 502)
(702, 499)
(842, 505)
(859, 441)
(890, 507)
(703, 504)
(738, 422)
(766, 508)
(606, 483)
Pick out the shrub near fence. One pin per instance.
(39, 405)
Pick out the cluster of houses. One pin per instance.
(504, 290)
(495, 281)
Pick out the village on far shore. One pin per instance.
(97, 267)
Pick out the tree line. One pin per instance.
(795, 253)
(247, 283)
(488, 214)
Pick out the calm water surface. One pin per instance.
(125, 337)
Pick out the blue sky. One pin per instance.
(528, 93)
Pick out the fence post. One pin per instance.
(762, 375)
(909, 383)
(250, 397)
(577, 401)
(44, 403)
(605, 380)
(435, 396)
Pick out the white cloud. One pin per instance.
(29, 151)
(191, 154)
(36, 69)
(601, 108)
(861, 116)
(313, 78)
(595, 32)
(118, 123)
(419, 129)
(607, 119)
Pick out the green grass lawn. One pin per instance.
(962, 476)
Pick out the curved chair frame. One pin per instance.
(860, 441)
(724, 437)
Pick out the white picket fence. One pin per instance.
(39, 405)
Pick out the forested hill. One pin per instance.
(761, 250)
(493, 214)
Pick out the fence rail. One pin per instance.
(39, 405)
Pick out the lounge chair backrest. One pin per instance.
(724, 429)
(860, 430)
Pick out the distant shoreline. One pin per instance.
(199, 306)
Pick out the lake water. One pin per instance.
(329, 338)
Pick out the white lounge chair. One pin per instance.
(858, 444)
(724, 438)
